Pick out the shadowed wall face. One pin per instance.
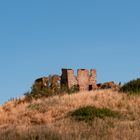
(67, 78)
(83, 79)
(41, 82)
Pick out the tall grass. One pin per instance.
(48, 118)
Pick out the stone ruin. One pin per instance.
(53, 81)
(85, 81)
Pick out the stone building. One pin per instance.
(85, 80)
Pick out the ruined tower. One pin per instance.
(67, 78)
(92, 80)
(83, 79)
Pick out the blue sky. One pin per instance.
(39, 37)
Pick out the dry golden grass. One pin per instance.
(48, 118)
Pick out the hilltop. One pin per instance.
(49, 118)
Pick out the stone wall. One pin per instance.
(41, 82)
(67, 78)
(83, 79)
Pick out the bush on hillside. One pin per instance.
(89, 113)
(132, 86)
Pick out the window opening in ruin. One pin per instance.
(90, 73)
(58, 82)
(90, 87)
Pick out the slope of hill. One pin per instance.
(48, 118)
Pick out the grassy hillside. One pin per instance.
(51, 119)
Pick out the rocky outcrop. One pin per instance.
(109, 85)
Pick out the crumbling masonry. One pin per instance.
(85, 80)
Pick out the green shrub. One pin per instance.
(132, 86)
(65, 89)
(90, 113)
(73, 89)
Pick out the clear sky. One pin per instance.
(39, 37)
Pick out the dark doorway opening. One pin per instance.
(90, 87)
